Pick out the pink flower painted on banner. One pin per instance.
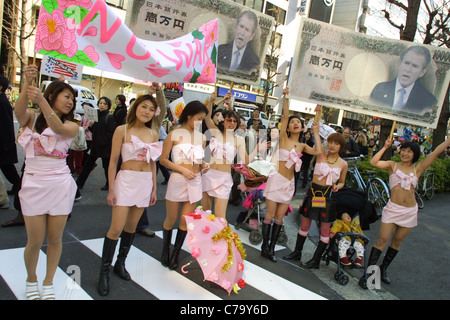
(210, 32)
(157, 71)
(68, 3)
(92, 53)
(188, 77)
(208, 74)
(56, 33)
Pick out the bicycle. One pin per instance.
(376, 189)
(426, 184)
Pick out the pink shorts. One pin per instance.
(133, 188)
(279, 188)
(400, 215)
(180, 189)
(47, 187)
(217, 183)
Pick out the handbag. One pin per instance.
(319, 201)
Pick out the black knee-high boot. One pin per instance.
(125, 245)
(181, 235)
(297, 253)
(109, 246)
(265, 250)
(390, 255)
(315, 261)
(276, 229)
(167, 239)
(373, 259)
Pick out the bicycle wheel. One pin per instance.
(429, 186)
(419, 200)
(378, 194)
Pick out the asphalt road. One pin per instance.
(420, 270)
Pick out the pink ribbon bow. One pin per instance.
(192, 152)
(294, 158)
(153, 150)
(332, 174)
(405, 180)
(47, 140)
(227, 149)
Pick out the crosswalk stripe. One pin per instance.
(13, 271)
(152, 276)
(266, 281)
(148, 273)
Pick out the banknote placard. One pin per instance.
(162, 20)
(337, 67)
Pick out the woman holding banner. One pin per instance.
(280, 187)
(133, 188)
(187, 145)
(224, 146)
(400, 214)
(48, 189)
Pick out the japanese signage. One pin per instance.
(387, 78)
(241, 29)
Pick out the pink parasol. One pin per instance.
(218, 250)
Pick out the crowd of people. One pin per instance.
(196, 156)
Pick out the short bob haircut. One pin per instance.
(191, 109)
(414, 148)
(107, 100)
(51, 93)
(337, 138)
(301, 121)
(131, 116)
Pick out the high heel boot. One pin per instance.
(167, 239)
(109, 246)
(315, 261)
(181, 235)
(265, 250)
(390, 255)
(125, 245)
(276, 229)
(297, 253)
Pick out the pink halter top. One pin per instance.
(291, 158)
(323, 170)
(399, 178)
(48, 143)
(139, 151)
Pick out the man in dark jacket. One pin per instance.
(8, 151)
(351, 148)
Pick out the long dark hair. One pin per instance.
(192, 108)
(50, 94)
(131, 116)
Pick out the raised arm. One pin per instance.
(285, 114)
(208, 120)
(21, 106)
(161, 101)
(377, 163)
(423, 165)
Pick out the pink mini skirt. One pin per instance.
(47, 187)
(180, 189)
(217, 183)
(400, 215)
(133, 188)
(279, 188)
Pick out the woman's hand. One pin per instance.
(388, 143)
(34, 94)
(188, 174)
(205, 167)
(334, 188)
(153, 197)
(30, 73)
(111, 199)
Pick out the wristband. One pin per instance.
(51, 115)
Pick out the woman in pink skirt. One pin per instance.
(134, 187)
(48, 189)
(400, 214)
(279, 189)
(187, 145)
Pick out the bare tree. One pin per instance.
(436, 32)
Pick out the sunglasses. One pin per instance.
(231, 120)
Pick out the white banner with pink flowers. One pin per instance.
(88, 32)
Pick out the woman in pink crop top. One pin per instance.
(48, 189)
(279, 189)
(400, 214)
(329, 176)
(223, 148)
(187, 145)
(133, 188)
